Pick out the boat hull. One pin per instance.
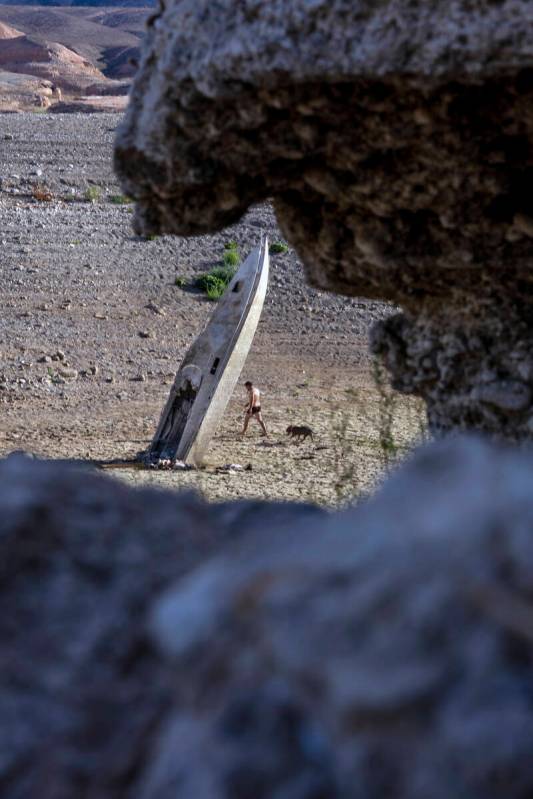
(212, 365)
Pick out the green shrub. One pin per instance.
(231, 258)
(215, 290)
(180, 281)
(120, 199)
(278, 247)
(93, 194)
(215, 282)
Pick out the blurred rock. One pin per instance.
(83, 692)
(389, 649)
(157, 647)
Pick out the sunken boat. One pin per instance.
(211, 367)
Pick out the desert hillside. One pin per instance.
(49, 60)
(85, 51)
(79, 3)
(7, 32)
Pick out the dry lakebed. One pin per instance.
(95, 320)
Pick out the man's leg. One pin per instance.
(260, 420)
(246, 423)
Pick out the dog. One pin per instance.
(300, 432)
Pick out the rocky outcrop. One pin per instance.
(396, 139)
(19, 92)
(47, 60)
(7, 32)
(156, 646)
(472, 364)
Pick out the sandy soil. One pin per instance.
(93, 327)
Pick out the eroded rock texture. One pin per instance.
(396, 139)
(474, 368)
(154, 647)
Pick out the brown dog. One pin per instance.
(300, 433)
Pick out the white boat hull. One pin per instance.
(212, 365)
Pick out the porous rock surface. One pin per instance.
(83, 691)
(385, 651)
(396, 139)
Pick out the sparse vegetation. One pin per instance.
(180, 281)
(346, 478)
(42, 193)
(93, 194)
(380, 419)
(120, 199)
(278, 247)
(231, 256)
(215, 282)
(386, 408)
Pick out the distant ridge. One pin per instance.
(83, 3)
(109, 38)
(7, 32)
(83, 47)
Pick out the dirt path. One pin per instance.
(93, 327)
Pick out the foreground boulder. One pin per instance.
(155, 647)
(83, 692)
(396, 139)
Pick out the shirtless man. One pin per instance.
(253, 408)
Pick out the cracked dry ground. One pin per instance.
(93, 327)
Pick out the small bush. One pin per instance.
(180, 281)
(215, 290)
(278, 247)
(42, 193)
(215, 282)
(231, 258)
(120, 199)
(93, 194)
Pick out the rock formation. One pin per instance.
(47, 60)
(19, 91)
(396, 139)
(7, 32)
(154, 646)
